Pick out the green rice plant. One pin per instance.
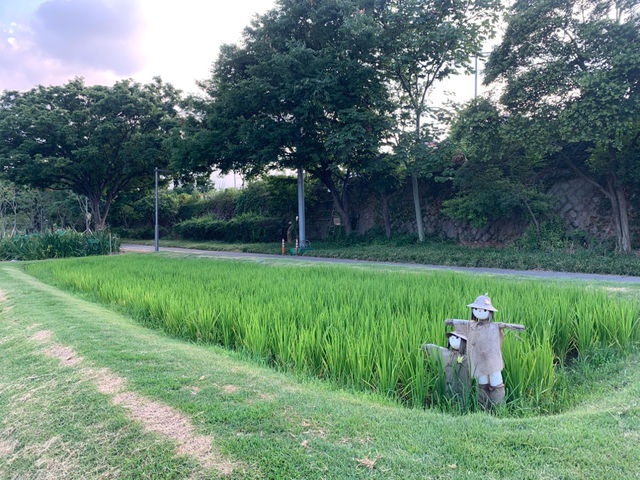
(355, 327)
(586, 328)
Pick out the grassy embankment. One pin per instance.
(442, 253)
(270, 424)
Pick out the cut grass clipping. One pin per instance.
(359, 328)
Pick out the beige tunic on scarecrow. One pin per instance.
(484, 345)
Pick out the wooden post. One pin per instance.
(296, 250)
(283, 246)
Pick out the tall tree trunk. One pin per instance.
(533, 217)
(620, 213)
(98, 217)
(3, 217)
(339, 200)
(84, 206)
(343, 211)
(14, 207)
(619, 205)
(414, 185)
(385, 214)
(416, 205)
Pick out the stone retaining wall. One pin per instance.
(575, 201)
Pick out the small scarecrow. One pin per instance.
(454, 362)
(483, 339)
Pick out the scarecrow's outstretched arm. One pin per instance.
(514, 326)
(453, 321)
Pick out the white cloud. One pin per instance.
(52, 41)
(182, 40)
(98, 34)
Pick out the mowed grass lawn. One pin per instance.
(64, 415)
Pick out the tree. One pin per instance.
(96, 141)
(574, 64)
(425, 42)
(500, 172)
(384, 177)
(303, 91)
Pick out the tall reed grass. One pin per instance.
(64, 243)
(360, 328)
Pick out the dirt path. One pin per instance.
(131, 247)
(154, 416)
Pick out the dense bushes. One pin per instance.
(243, 228)
(65, 243)
(259, 212)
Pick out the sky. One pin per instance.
(49, 42)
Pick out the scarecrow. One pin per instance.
(484, 348)
(474, 349)
(454, 361)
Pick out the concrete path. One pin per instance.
(130, 247)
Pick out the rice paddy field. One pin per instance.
(359, 328)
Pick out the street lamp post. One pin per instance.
(475, 72)
(301, 220)
(475, 91)
(157, 230)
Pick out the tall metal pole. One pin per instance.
(157, 233)
(475, 92)
(301, 208)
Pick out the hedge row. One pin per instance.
(244, 228)
(65, 243)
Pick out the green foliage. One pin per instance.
(29, 210)
(65, 243)
(222, 204)
(247, 227)
(362, 329)
(193, 207)
(520, 256)
(93, 140)
(552, 235)
(272, 196)
(573, 65)
(500, 174)
(301, 91)
(422, 45)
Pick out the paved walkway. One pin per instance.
(130, 247)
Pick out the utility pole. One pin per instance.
(157, 229)
(475, 91)
(301, 221)
(301, 232)
(475, 72)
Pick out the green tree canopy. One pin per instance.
(96, 141)
(423, 43)
(499, 177)
(575, 64)
(303, 90)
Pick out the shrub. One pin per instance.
(64, 243)
(272, 196)
(552, 235)
(193, 208)
(223, 204)
(244, 228)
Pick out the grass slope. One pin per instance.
(276, 425)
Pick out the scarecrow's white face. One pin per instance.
(480, 313)
(454, 342)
